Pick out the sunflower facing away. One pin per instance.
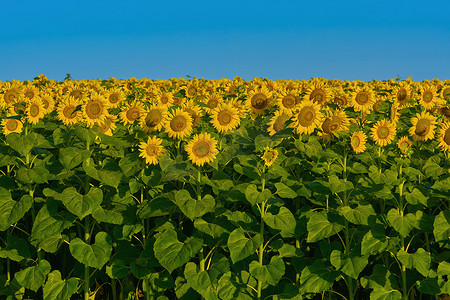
(67, 112)
(178, 124)
(277, 122)
(108, 125)
(48, 102)
(444, 137)
(403, 144)
(423, 126)
(225, 117)
(152, 150)
(202, 149)
(11, 125)
(308, 117)
(383, 132)
(358, 142)
(269, 156)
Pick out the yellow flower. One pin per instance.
(225, 117)
(444, 137)
(67, 112)
(428, 96)
(445, 93)
(308, 117)
(108, 125)
(259, 100)
(318, 92)
(11, 125)
(95, 109)
(213, 100)
(154, 118)
(277, 122)
(30, 91)
(363, 99)
(383, 132)
(423, 126)
(288, 100)
(403, 144)
(13, 92)
(358, 142)
(179, 124)
(152, 150)
(114, 96)
(165, 98)
(401, 94)
(202, 149)
(269, 156)
(131, 113)
(35, 110)
(47, 102)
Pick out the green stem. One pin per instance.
(86, 267)
(402, 239)
(8, 270)
(261, 231)
(113, 289)
(202, 260)
(351, 292)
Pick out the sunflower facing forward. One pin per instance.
(179, 124)
(225, 117)
(152, 150)
(363, 99)
(308, 117)
(423, 126)
(95, 110)
(383, 132)
(358, 142)
(259, 100)
(202, 149)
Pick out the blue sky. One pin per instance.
(347, 40)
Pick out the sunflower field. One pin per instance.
(224, 189)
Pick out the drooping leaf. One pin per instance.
(33, 277)
(375, 241)
(350, 264)
(82, 205)
(57, 288)
(271, 273)
(95, 255)
(319, 227)
(241, 246)
(284, 220)
(442, 226)
(254, 196)
(70, 157)
(16, 249)
(317, 278)
(12, 211)
(403, 224)
(359, 215)
(284, 191)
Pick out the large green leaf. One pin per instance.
(21, 143)
(403, 224)
(350, 264)
(56, 288)
(241, 246)
(194, 208)
(71, 157)
(420, 260)
(16, 248)
(199, 281)
(442, 226)
(284, 191)
(33, 277)
(319, 227)
(229, 289)
(337, 185)
(82, 205)
(254, 196)
(317, 278)
(385, 294)
(109, 173)
(284, 220)
(375, 241)
(359, 215)
(130, 164)
(95, 255)
(171, 253)
(271, 273)
(12, 211)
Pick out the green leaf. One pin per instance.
(350, 264)
(375, 241)
(254, 196)
(380, 279)
(82, 205)
(56, 288)
(16, 249)
(33, 277)
(284, 220)
(416, 197)
(442, 185)
(171, 253)
(193, 208)
(442, 226)
(402, 224)
(317, 278)
(229, 289)
(38, 174)
(109, 174)
(242, 247)
(429, 286)
(382, 294)
(319, 227)
(271, 273)
(107, 216)
(337, 185)
(443, 268)
(420, 260)
(71, 157)
(284, 191)
(21, 143)
(359, 215)
(96, 255)
(12, 211)
(130, 164)
(199, 281)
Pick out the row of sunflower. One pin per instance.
(225, 189)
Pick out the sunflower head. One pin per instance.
(225, 117)
(403, 144)
(269, 156)
(153, 118)
(179, 124)
(11, 125)
(277, 122)
(358, 141)
(151, 150)
(259, 100)
(202, 149)
(383, 132)
(423, 126)
(363, 99)
(444, 137)
(307, 117)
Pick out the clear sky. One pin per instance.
(347, 40)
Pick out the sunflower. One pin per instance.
(259, 100)
(191, 90)
(383, 132)
(423, 126)
(403, 144)
(401, 94)
(194, 111)
(277, 122)
(225, 117)
(67, 110)
(307, 117)
(48, 102)
(240, 106)
(444, 111)
(358, 142)
(35, 110)
(202, 149)
(339, 97)
(152, 150)
(154, 118)
(30, 91)
(288, 100)
(114, 96)
(445, 93)
(11, 125)
(335, 123)
(363, 99)
(318, 92)
(131, 112)
(95, 109)
(269, 156)
(13, 92)
(165, 99)
(108, 125)
(428, 96)
(444, 137)
(213, 100)
(395, 112)
(77, 92)
(179, 124)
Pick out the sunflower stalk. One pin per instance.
(262, 210)
(402, 239)
(199, 197)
